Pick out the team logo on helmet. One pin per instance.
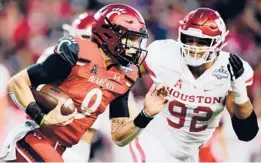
(117, 11)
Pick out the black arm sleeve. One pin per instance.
(57, 66)
(119, 106)
(54, 68)
(245, 129)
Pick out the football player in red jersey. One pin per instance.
(80, 27)
(94, 73)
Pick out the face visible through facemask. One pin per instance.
(196, 50)
(196, 46)
(134, 47)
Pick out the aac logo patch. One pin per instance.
(94, 69)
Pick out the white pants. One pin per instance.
(145, 148)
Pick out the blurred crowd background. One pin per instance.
(28, 27)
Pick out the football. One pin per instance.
(47, 96)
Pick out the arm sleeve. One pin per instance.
(119, 107)
(246, 129)
(58, 65)
(52, 69)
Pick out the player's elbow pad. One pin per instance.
(245, 129)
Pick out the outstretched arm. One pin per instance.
(244, 119)
(125, 129)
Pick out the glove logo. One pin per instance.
(220, 73)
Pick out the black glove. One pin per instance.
(237, 66)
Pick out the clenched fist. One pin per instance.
(55, 117)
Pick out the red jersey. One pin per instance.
(92, 87)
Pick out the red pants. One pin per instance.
(35, 148)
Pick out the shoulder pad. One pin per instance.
(154, 57)
(68, 49)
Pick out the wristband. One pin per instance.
(239, 91)
(35, 112)
(142, 119)
(42, 121)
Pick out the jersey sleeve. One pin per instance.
(53, 69)
(68, 49)
(5, 76)
(152, 60)
(248, 73)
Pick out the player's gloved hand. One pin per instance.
(236, 69)
(55, 117)
(155, 99)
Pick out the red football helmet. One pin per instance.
(205, 27)
(81, 26)
(116, 22)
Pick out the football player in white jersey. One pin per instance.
(202, 81)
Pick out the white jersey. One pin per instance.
(196, 105)
(49, 51)
(5, 76)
